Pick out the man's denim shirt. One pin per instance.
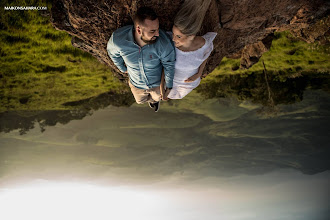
(143, 64)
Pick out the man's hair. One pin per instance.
(144, 13)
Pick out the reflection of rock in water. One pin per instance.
(297, 138)
(285, 89)
(133, 142)
(104, 100)
(25, 120)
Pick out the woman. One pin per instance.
(191, 51)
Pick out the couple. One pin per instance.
(144, 51)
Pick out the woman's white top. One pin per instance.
(187, 64)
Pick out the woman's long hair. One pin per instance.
(190, 17)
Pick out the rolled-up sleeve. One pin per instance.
(168, 62)
(114, 54)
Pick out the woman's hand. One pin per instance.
(193, 78)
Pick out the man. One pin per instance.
(144, 51)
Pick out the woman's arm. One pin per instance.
(198, 74)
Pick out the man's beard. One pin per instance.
(148, 41)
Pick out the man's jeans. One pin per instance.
(145, 95)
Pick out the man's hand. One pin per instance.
(164, 97)
(193, 78)
(124, 74)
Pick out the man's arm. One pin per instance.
(162, 87)
(114, 54)
(168, 62)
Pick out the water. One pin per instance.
(217, 158)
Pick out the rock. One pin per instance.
(252, 52)
(318, 31)
(239, 24)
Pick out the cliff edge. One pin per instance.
(244, 28)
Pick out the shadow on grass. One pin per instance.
(286, 88)
(73, 51)
(12, 39)
(48, 68)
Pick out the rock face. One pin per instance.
(252, 52)
(240, 24)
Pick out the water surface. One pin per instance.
(195, 159)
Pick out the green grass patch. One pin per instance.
(40, 69)
(286, 57)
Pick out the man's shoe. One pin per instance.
(151, 105)
(156, 105)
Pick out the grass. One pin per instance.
(286, 57)
(40, 69)
(292, 66)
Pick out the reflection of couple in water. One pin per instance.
(144, 51)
